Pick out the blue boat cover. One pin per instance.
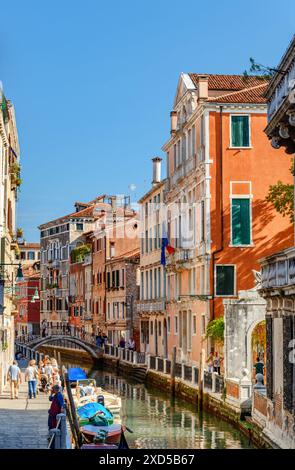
(91, 409)
(76, 373)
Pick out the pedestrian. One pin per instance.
(56, 407)
(259, 367)
(210, 361)
(14, 378)
(131, 344)
(48, 370)
(99, 340)
(31, 376)
(122, 342)
(216, 363)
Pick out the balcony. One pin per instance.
(278, 271)
(181, 259)
(157, 305)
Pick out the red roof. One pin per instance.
(253, 94)
(228, 82)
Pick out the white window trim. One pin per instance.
(250, 198)
(230, 131)
(235, 280)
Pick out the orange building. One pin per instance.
(219, 169)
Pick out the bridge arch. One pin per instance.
(91, 349)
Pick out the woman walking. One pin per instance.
(31, 376)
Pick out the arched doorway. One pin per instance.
(258, 344)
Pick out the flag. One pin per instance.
(169, 248)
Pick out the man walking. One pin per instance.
(14, 377)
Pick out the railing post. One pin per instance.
(63, 430)
(156, 363)
(148, 361)
(214, 374)
(56, 439)
(165, 366)
(134, 357)
(182, 372)
(193, 374)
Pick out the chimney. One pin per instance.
(173, 119)
(114, 202)
(203, 87)
(156, 170)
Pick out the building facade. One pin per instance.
(9, 184)
(151, 307)
(29, 253)
(217, 217)
(277, 417)
(27, 319)
(58, 238)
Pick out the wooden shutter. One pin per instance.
(240, 131)
(241, 222)
(287, 364)
(225, 280)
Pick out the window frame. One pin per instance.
(249, 197)
(235, 280)
(231, 146)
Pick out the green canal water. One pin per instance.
(159, 423)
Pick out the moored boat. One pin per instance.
(113, 433)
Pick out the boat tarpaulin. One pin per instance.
(76, 373)
(91, 409)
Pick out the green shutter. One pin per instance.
(225, 280)
(241, 222)
(240, 131)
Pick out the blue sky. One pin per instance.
(93, 84)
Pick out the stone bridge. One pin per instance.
(34, 342)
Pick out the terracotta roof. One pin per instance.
(88, 212)
(253, 94)
(228, 82)
(29, 245)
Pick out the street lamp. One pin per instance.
(19, 278)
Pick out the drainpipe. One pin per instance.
(215, 252)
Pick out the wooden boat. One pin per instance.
(113, 433)
(88, 386)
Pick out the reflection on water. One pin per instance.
(159, 423)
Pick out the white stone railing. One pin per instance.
(151, 306)
(281, 92)
(279, 270)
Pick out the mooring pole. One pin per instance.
(173, 362)
(73, 410)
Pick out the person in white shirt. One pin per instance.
(31, 375)
(14, 377)
(131, 344)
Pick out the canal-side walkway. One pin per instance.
(23, 421)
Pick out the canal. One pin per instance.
(159, 423)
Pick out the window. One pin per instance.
(189, 334)
(240, 221)
(152, 328)
(79, 227)
(240, 131)
(23, 255)
(203, 324)
(194, 325)
(225, 280)
(31, 255)
(160, 328)
(176, 325)
(168, 325)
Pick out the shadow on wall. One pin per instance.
(264, 219)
